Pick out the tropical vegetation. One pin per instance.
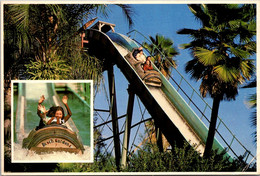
(150, 159)
(222, 52)
(42, 41)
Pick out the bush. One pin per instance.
(149, 159)
(48, 70)
(106, 163)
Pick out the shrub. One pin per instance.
(149, 159)
(48, 70)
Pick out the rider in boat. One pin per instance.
(55, 115)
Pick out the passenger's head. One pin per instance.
(140, 48)
(148, 58)
(59, 112)
(56, 111)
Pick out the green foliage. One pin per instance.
(51, 70)
(106, 163)
(149, 159)
(39, 31)
(83, 66)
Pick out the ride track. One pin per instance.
(172, 115)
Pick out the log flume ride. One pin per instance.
(53, 138)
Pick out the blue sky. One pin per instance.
(167, 19)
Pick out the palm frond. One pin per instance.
(185, 46)
(227, 74)
(20, 15)
(128, 13)
(252, 100)
(234, 24)
(200, 12)
(250, 47)
(247, 68)
(195, 69)
(251, 84)
(187, 31)
(207, 57)
(238, 51)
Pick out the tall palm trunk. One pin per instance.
(212, 127)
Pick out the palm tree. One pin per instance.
(163, 51)
(221, 50)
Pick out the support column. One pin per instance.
(128, 123)
(113, 112)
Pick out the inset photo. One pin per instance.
(52, 121)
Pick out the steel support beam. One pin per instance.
(128, 123)
(113, 112)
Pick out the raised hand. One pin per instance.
(65, 99)
(42, 98)
(42, 108)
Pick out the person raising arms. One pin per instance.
(55, 112)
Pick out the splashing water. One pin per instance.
(26, 156)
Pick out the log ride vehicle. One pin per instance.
(150, 77)
(53, 138)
